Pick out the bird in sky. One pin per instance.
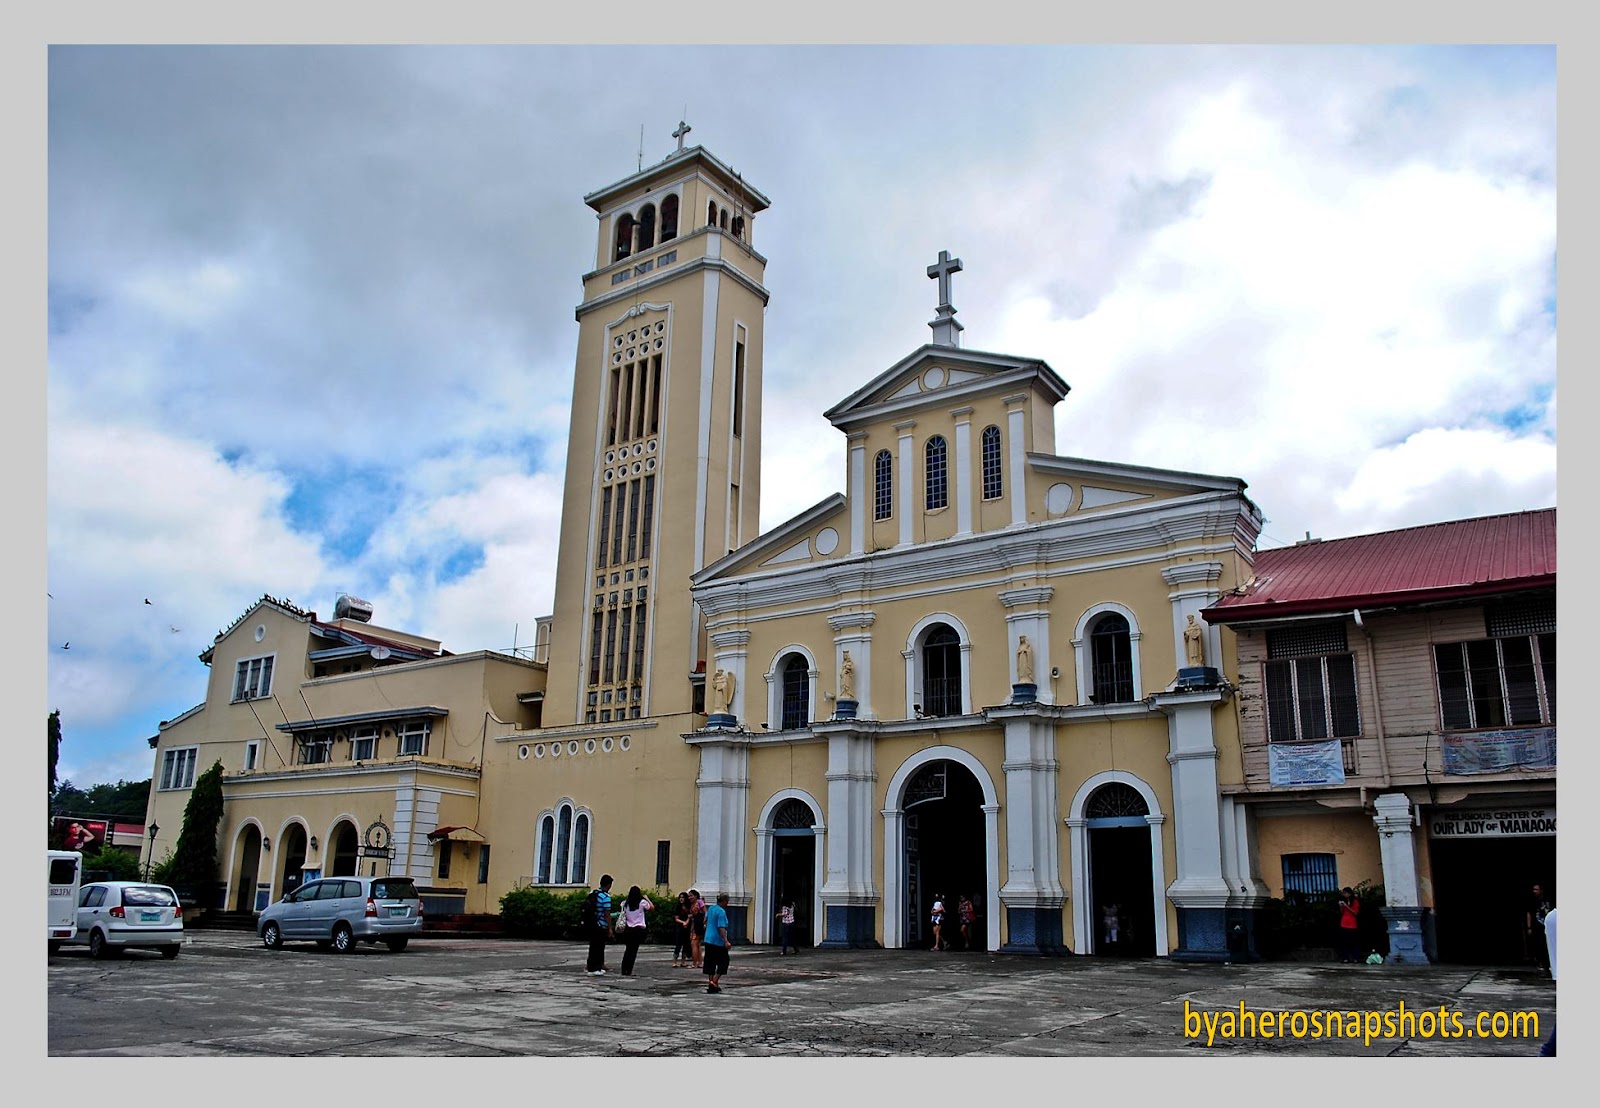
(147, 600)
(66, 646)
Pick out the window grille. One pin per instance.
(796, 693)
(936, 454)
(794, 814)
(1318, 638)
(1310, 876)
(883, 485)
(941, 672)
(1111, 660)
(992, 483)
(663, 864)
(1115, 801)
(1534, 615)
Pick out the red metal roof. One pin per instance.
(1441, 561)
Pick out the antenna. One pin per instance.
(641, 147)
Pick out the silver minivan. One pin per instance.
(339, 912)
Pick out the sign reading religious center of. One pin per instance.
(1493, 823)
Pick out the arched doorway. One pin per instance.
(247, 867)
(343, 854)
(1122, 896)
(291, 851)
(945, 852)
(794, 867)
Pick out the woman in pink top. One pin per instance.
(632, 924)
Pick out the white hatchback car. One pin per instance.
(114, 916)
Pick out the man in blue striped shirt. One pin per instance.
(600, 928)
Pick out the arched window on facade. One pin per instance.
(993, 485)
(794, 815)
(941, 671)
(937, 455)
(624, 238)
(796, 693)
(1115, 800)
(883, 485)
(722, 219)
(562, 851)
(711, 213)
(738, 227)
(669, 219)
(647, 227)
(1111, 656)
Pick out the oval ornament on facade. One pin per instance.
(827, 540)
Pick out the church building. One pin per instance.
(979, 670)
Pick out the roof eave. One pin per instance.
(1335, 605)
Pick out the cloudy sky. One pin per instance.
(311, 308)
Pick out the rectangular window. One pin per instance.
(638, 637)
(177, 768)
(625, 409)
(594, 650)
(253, 678)
(883, 485)
(413, 736)
(605, 527)
(611, 421)
(252, 754)
(1312, 698)
(1509, 682)
(663, 864)
(738, 388)
(483, 864)
(315, 750)
(616, 525)
(364, 744)
(622, 647)
(444, 858)
(1310, 876)
(633, 522)
(647, 516)
(609, 673)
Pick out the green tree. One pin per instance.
(194, 859)
(53, 737)
(110, 864)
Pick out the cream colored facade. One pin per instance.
(694, 728)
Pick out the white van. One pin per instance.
(65, 875)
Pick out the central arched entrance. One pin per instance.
(1122, 897)
(794, 867)
(945, 853)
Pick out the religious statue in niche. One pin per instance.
(1024, 661)
(1194, 643)
(721, 691)
(847, 678)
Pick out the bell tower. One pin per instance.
(664, 448)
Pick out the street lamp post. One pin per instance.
(150, 855)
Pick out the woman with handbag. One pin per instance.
(631, 922)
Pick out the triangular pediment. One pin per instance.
(942, 375)
(819, 533)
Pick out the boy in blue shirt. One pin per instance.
(717, 942)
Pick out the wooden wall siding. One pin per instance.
(1402, 647)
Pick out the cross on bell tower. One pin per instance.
(946, 331)
(683, 129)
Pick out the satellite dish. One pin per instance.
(380, 652)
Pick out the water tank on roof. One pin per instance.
(352, 607)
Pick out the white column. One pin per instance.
(963, 468)
(724, 794)
(905, 478)
(1197, 809)
(859, 493)
(851, 776)
(1398, 848)
(1033, 858)
(1017, 459)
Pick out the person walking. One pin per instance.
(938, 923)
(1533, 928)
(631, 921)
(680, 931)
(697, 928)
(969, 917)
(596, 916)
(786, 926)
(717, 943)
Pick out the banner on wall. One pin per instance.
(1498, 751)
(87, 835)
(1306, 763)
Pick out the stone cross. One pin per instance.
(684, 129)
(941, 270)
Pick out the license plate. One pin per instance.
(149, 917)
(399, 913)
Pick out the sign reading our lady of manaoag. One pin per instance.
(1492, 823)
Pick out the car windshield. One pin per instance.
(148, 896)
(394, 888)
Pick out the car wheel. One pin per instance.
(272, 936)
(343, 941)
(170, 952)
(97, 945)
(397, 945)
(55, 946)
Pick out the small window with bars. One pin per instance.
(1310, 876)
(663, 863)
(1521, 616)
(883, 485)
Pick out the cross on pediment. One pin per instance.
(946, 331)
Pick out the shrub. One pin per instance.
(538, 913)
(110, 864)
